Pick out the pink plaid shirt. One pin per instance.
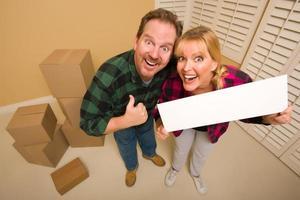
(172, 89)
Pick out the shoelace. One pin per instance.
(198, 179)
(172, 174)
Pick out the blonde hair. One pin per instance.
(206, 36)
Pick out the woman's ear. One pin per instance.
(214, 66)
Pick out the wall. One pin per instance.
(32, 29)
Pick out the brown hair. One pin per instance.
(206, 36)
(163, 15)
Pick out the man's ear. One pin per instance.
(135, 43)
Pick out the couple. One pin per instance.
(126, 88)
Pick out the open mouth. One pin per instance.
(151, 63)
(189, 77)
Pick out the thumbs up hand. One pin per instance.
(135, 115)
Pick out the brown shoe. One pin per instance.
(130, 178)
(157, 160)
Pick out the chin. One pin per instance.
(188, 88)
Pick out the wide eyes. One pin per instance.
(197, 59)
(180, 59)
(165, 49)
(162, 49)
(148, 42)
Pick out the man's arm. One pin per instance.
(134, 115)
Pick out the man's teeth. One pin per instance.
(150, 63)
(189, 77)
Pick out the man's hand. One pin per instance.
(135, 115)
(283, 117)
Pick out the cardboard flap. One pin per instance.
(66, 57)
(29, 110)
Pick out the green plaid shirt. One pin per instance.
(108, 94)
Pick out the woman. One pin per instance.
(199, 70)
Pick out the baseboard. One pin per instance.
(13, 107)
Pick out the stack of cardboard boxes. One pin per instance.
(68, 74)
(38, 137)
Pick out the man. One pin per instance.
(126, 88)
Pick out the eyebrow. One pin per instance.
(198, 53)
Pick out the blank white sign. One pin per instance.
(253, 99)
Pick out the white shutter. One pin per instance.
(276, 39)
(204, 12)
(275, 50)
(292, 157)
(179, 7)
(236, 23)
(280, 137)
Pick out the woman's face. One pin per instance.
(195, 66)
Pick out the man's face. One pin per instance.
(154, 48)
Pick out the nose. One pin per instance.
(154, 53)
(187, 65)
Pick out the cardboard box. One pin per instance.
(78, 138)
(71, 109)
(23, 152)
(70, 175)
(32, 124)
(46, 154)
(68, 72)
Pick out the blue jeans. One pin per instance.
(127, 139)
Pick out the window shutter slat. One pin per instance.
(292, 157)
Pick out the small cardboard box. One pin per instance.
(68, 176)
(71, 109)
(78, 138)
(47, 154)
(68, 72)
(32, 124)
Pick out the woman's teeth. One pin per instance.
(189, 77)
